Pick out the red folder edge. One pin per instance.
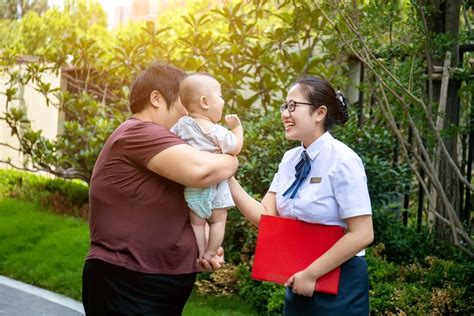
(286, 246)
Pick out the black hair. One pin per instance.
(161, 77)
(319, 92)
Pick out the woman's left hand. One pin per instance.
(302, 283)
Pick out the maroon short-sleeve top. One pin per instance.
(138, 219)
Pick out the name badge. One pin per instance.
(315, 180)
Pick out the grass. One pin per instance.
(42, 248)
(48, 250)
(217, 306)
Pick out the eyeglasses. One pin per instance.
(291, 105)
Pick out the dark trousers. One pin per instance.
(108, 289)
(352, 299)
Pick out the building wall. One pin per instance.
(124, 11)
(42, 117)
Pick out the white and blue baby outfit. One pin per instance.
(218, 140)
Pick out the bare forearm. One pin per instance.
(192, 167)
(239, 134)
(248, 206)
(235, 126)
(216, 169)
(345, 248)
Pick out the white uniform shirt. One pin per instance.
(335, 189)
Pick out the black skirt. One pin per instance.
(352, 299)
(108, 289)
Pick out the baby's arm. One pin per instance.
(235, 126)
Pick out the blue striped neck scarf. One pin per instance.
(302, 170)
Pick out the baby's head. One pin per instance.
(201, 94)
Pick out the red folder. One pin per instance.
(286, 246)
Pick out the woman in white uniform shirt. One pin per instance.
(323, 181)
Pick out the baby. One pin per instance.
(201, 95)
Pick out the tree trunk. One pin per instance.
(445, 19)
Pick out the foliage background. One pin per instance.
(256, 49)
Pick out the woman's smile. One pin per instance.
(288, 124)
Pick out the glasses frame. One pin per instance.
(291, 106)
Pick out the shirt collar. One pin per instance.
(315, 148)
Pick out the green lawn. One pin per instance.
(45, 249)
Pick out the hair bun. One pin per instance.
(343, 105)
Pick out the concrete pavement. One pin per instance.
(19, 299)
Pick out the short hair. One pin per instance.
(189, 92)
(164, 78)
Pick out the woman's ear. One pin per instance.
(320, 113)
(156, 99)
(204, 102)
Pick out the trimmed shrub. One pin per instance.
(69, 197)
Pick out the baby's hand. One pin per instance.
(232, 120)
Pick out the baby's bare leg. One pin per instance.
(216, 232)
(199, 228)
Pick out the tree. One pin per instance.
(255, 49)
(237, 46)
(442, 18)
(15, 9)
(403, 103)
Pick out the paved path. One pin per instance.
(19, 299)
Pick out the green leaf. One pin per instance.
(10, 93)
